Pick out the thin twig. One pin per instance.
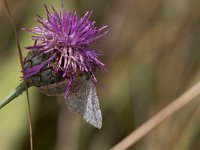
(157, 119)
(21, 63)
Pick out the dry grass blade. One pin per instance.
(157, 119)
(21, 63)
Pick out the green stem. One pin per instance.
(18, 91)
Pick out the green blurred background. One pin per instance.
(152, 54)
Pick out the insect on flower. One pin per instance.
(61, 62)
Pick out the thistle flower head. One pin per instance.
(66, 39)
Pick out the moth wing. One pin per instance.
(83, 99)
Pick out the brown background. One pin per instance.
(152, 54)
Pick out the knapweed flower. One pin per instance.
(66, 40)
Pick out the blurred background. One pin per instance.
(152, 54)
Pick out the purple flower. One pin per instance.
(67, 39)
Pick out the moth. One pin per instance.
(82, 98)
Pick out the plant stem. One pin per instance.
(18, 91)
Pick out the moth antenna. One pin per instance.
(21, 63)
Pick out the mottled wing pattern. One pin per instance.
(83, 99)
(56, 89)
